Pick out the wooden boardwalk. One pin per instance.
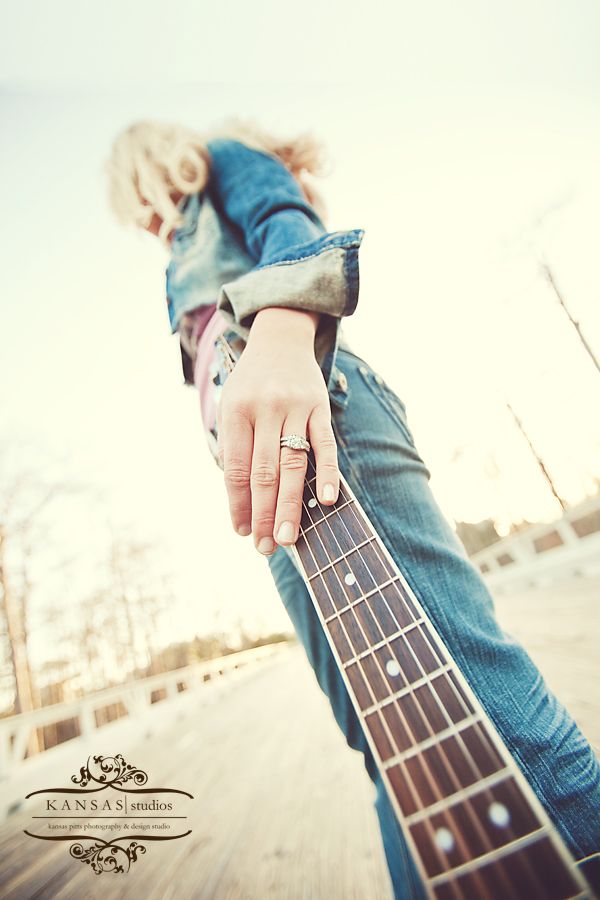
(276, 794)
(283, 809)
(560, 628)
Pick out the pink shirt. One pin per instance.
(208, 325)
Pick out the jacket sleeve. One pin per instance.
(298, 264)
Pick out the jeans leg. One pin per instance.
(379, 459)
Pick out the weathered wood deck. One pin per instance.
(283, 808)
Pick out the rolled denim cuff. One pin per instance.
(320, 276)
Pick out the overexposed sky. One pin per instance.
(464, 138)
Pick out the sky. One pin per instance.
(463, 138)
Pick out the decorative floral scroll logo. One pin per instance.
(107, 856)
(110, 771)
(100, 774)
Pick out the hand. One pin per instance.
(276, 388)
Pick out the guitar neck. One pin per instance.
(474, 825)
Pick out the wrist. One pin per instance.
(274, 320)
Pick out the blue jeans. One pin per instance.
(378, 458)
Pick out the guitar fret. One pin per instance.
(384, 593)
(362, 597)
(384, 643)
(462, 794)
(484, 859)
(379, 707)
(347, 555)
(332, 512)
(432, 741)
(537, 868)
(433, 766)
(344, 556)
(494, 819)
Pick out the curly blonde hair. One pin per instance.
(150, 161)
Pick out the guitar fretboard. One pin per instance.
(476, 828)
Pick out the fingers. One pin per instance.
(292, 471)
(235, 453)
(324, 445)
(264, 481)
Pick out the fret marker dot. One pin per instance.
(444, 839)
(392, 667)
(499, 815)
(349, 578)
(312, 502)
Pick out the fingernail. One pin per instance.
(266, 545)
(286, 533)
(328, 492)
(244, 530)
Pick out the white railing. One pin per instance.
(136, 698)
(541, 554)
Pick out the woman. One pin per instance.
(251, 258)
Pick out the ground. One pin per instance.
(283, 809)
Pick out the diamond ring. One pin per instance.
(295, 441)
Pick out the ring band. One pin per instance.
(295, 441)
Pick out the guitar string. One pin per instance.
(427, 675)
(403, 598)
(479, 726)
(434, 649)
(458, 694)
(470, 759)
(483, 736)
(442, 858)
(498, 864)
(442, 756)
(446, 815)
(475, 819)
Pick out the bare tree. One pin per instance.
(139, 594)
(18, 518)
(26, 497)
(549, 276)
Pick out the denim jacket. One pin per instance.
(251, 240)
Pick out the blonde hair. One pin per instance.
(151, 160)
